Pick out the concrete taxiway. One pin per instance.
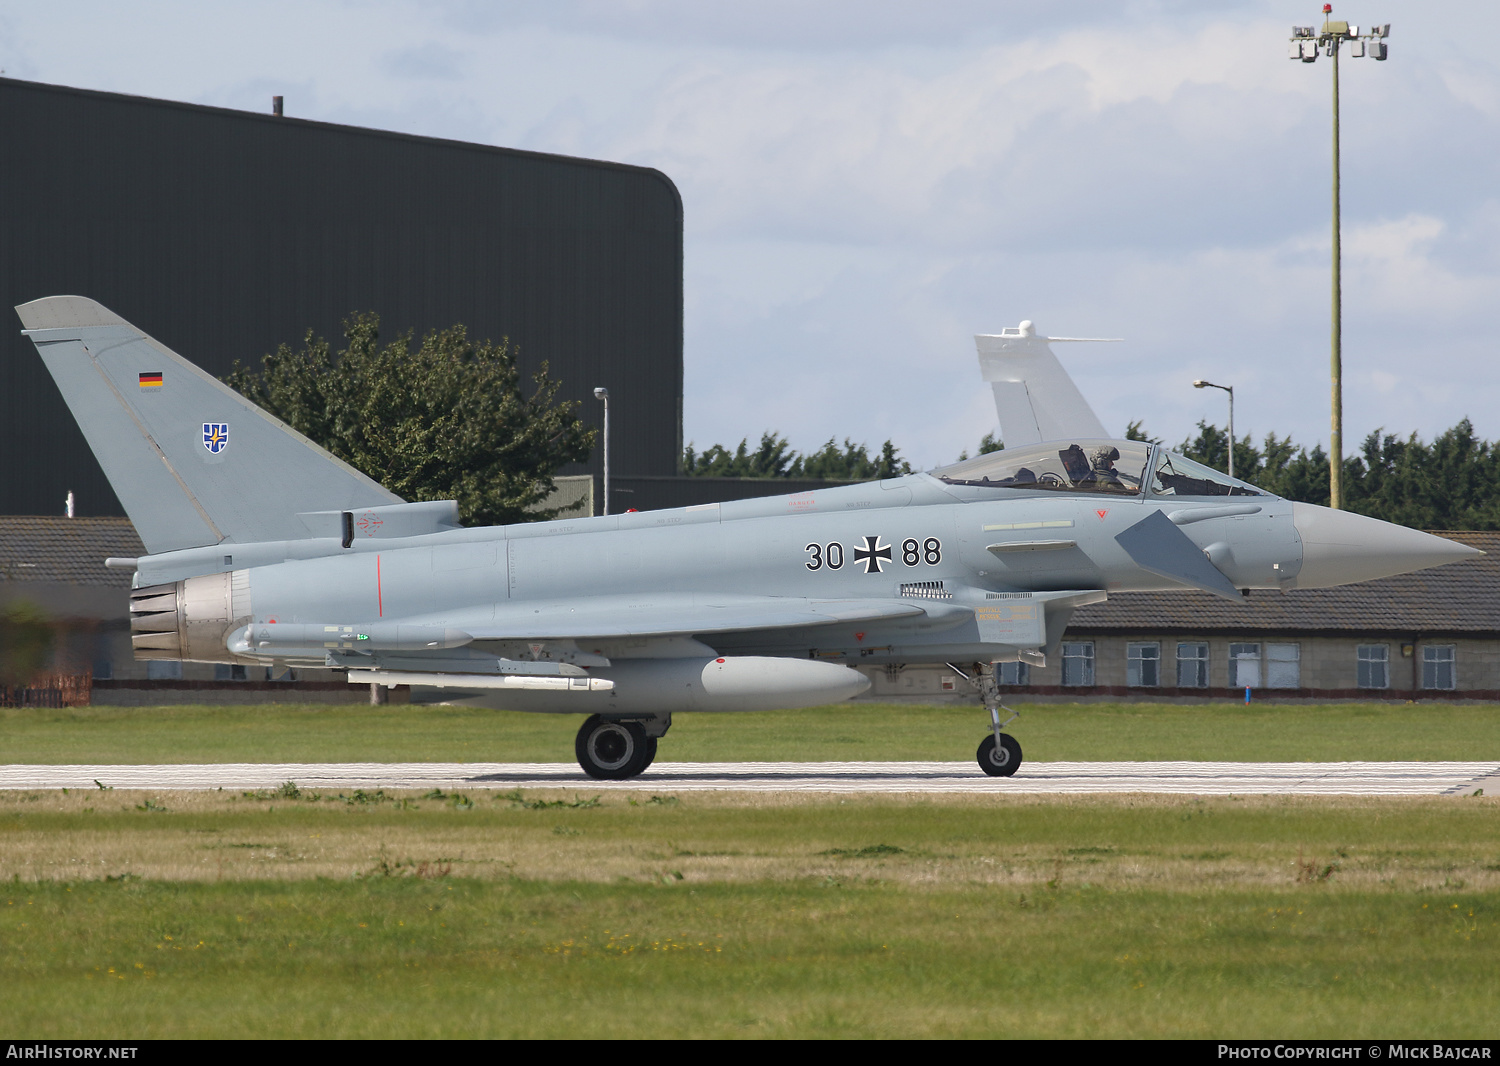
(1205, 778)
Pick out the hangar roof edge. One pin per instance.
(341, 127)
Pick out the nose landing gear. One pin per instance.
(999, 754)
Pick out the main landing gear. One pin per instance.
(614, 749)
(999, 754)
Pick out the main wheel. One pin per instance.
(611, 750)
(1001, 761)
(650, 754)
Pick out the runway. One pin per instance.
(1200, 778)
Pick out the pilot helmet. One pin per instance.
(1107, 454)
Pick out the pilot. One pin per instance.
(1104, 472)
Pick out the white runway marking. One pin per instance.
(1204, 778)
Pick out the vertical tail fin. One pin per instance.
(1035, 398)
(193, 462)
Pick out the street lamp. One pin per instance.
(1200, 384)
(602, 395)
(1305, 45)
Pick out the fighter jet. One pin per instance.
(264, 549)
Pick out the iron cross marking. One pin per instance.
(872, 553)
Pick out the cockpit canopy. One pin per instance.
(1114, 467)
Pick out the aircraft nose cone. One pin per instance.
(1339, 548)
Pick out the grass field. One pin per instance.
(1094, 731)
(579, 913)
(220, 914)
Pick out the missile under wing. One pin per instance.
(264, 549)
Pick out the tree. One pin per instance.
(852, 462)
(446, 421)
(26, 638)
(987, 443)
(771, 459)
(1449, 484)
(1279, 466)
(775, 458)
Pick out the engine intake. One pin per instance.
(189, 620)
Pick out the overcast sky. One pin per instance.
(868, 184)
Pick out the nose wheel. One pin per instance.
(999, 759)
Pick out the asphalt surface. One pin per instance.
(1201, 778)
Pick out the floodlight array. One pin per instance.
(1308, 41)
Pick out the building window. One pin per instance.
(163, 670)
(230, 672)
(1244, 666)
(1437, 666)
(1192, 666)
(1283, 666)
(104, 670)
(1012, 673)
(1374, 666)
(1143, 665)
(1078, 664)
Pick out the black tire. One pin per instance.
(650, 754)
(612, 750)
(1002, 762)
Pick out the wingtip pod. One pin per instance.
(1340, 548)
(66, 312)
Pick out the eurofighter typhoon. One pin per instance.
(264, 549)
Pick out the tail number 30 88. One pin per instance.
(913, 553)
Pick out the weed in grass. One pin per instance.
(286, 790)
(423, 869)
(103, 787)
(874, 851)
(654, 801)
(457, 800)
(517, 800)
(361, 798)
(1309, 873)
(152, 806)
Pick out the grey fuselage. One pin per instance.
(889, 540)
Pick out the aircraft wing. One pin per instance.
(685, 614)
(1035, 399)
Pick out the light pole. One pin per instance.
(1305, 45)
(603, 396)
(1201, 384)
